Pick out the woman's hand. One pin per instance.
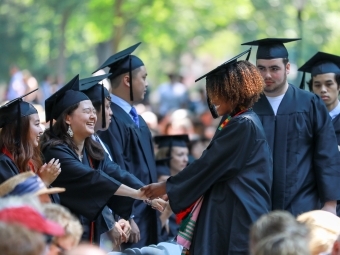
(157, 204)
(49, 172)
(139, 195)
(154, 190)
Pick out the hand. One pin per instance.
(49, 172)
(117, 234)
(135, 233)
(330, 206)
(126, 227)
(154, 190)
(157, 204)
(140, 195)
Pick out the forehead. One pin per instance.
(324, 77)
(34, 117)
(142, 70)
(85, 104)
(270, 62)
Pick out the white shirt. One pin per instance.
(97, 139)
(122, 104)
(275, 102)
(335, 112)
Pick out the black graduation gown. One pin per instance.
(89, 190)
(8, 169)
(132, 149)
(336, 125)
(305, 155)
(173, 230)
(234, 174)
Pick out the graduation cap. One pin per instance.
(162, 166)
(15, 110)
(123, 62)
(170, 141)
(270, 48)
(95, 91)
(62, 99)
(320, 63)
(221, 70)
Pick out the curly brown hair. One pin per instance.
(26, 151)
(240, 84)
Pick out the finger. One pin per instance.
(56, 162)
(51, 162)
(43, 168)
(165, 197)
(138, 237)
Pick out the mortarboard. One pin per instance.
(123, 62)
(65, 97)
(320, 63)
(95, 91)
(171, 140)
(162, 166)
(15, 110)
(26, 183)
(220, 70)
(270, 48)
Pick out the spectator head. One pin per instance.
(324, 230)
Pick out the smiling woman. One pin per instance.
(19, 140)
(90, 178)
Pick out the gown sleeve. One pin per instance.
(7, 169)
(224, 158)
(87, 190)
(326, 153)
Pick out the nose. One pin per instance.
(186, 159)
(323, 89)
(110, 112)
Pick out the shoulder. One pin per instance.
(5, 160)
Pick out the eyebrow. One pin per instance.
(268, 66)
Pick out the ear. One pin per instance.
(68, 119)
(288, 68)
(336, 247)
(126, 80)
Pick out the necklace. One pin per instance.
(225, 122)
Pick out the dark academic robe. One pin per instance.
(173, 230)
(336, 125)
(8, 169)
(89, 190)
(132, 149)
(305, 153)
(235, 175)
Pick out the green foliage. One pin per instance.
(175, 33)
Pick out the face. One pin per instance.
(222, 107)
(179, 159)
(139, 84)
(108, 115)
(274, 73)
(62, 244)
(35, 129)
(325, 86)
(82, 120)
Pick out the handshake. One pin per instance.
(151, 195)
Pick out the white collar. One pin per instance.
(121, 103)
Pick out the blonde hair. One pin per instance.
(63, 217)
(282, 244)
(18, 240)
(324, 230)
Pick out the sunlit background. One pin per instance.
(62, 38)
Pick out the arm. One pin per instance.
(326, 156)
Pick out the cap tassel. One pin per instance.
(212, 109)
(130, 74)
(302, 84)
(52, 114)
(168, 154)
(103, 108)
(248, 56)
(18, 131)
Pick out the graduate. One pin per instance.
(89, 188)
(325, 82)
(19, 138)
(300, 134)
(232, 179)
(129, 138)
(101, 101)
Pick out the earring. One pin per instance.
(69, 131)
